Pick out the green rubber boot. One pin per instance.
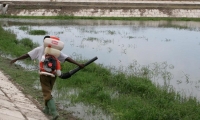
(52, 109)
(46, 110)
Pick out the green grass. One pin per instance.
(11, 45)
(105, 18)
(32, 32)
(24, 28)
(37, 32)
(126, 97)
(136, 99)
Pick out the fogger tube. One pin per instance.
(71, 72)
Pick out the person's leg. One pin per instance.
(47, 83)
(52, 108)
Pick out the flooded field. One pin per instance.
(165, 52)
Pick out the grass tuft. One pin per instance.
(37, 32)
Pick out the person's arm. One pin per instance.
(20, 58)
(68, 59)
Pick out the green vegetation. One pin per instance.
(26, 42)
(24, 28)
(10, 45)
(104, 18)
(129, 97)
(37, 32)
(32, 32)
(126, 97)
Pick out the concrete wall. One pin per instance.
(113, 13)
(67, 0)
(111, 8)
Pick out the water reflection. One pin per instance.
(166, 52)
(80, 110)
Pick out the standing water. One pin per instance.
(166, 52)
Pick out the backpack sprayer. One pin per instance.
(50, 65)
